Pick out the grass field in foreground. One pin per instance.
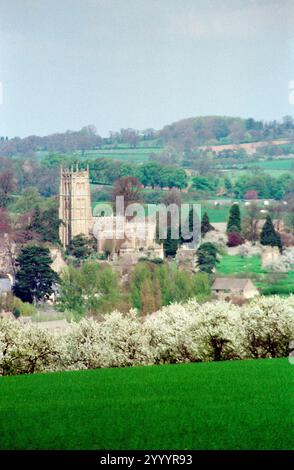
(225, 405)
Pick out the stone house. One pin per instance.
(238, 287)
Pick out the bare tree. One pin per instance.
(250, 223)
(7, 185)
(172, 197)
(129, 188)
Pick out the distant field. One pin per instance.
(218, 405)
(285, 164)
(131, 154)
(215, 214)
(267, 282)
(235, 264)
(142, 144)
(219, 214)
(281, 284)
(136, 155)
(249, 147)
(275, 168)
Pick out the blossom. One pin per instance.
(187, 332)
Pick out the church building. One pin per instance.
(136, 240)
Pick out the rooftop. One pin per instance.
(230, 283)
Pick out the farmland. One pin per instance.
(268, 282)
(185, 406)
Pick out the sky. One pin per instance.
(116, 64)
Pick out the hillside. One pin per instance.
(215, 130)
(184, 134)
(249, 147)
(159, 407)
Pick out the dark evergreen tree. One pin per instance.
(207, 257)
(79, 247)
(45, 224)
(234, 221)
(268, 235)
(36, 221)
(51, 224)
(34, 279)
(170, 245)
(205, 224)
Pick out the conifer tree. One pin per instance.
(234, 221)
(79, 247)
(36, 222)
(268, 235)
(45, 224)
(170, 244)
(207, 257)
(205, 224)
(34, 279)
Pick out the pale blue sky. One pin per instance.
(142, 63)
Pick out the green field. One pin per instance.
(274, 168)
(135, 155)
(236, 264)
(267, 282)
(220, 405)
(285, 164)
(282, 284)
(216, 214)
(129, 154)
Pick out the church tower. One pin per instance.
(74, 204)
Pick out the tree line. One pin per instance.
(212, 130)
(150, 174)
(184, 134)
(252, 185)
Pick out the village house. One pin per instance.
(229, 286)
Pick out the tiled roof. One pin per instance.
(230, 283)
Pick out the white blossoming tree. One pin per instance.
(187, 332)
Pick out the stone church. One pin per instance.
(136, 239)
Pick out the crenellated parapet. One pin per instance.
(74, 203)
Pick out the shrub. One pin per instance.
(26, 349)
(23, 308)
(235, 239)
(268, 326)
(118, 341)
(16, 306)
(187, 332)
